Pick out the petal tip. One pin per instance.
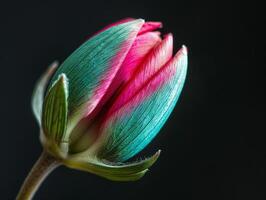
(169, 38)
(184, 50)
(62, 77)
(140, 20)
(156, 155)
(52, 67)
(160, 24)
(156, 24)
(168, 35)
(54, 63)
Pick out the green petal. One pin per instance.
(113, 171)
(39, 89)
(55, 108)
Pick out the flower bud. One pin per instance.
(110, 98)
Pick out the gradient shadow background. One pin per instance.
(213, 144)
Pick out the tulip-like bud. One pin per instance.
(110, 98)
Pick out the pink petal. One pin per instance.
(140, 49)
(114, 67)
(150, 26)
(156, 59)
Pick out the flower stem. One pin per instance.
(41, 169)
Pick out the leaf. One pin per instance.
(55, 110)
(116, 172)
(39, 89)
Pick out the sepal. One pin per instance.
(55, 111)
(39, 89)
(113, 171)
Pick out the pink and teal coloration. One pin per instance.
(110, 98)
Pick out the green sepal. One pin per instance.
(55, 110)
(112, 171)
(39, 89)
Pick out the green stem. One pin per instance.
(41, 169)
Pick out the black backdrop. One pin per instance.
(212, 145)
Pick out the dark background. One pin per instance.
(212, 145)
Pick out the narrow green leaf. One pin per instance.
(39, 89)
(113, 171)
(55, 108)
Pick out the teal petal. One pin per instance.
(128, 132)
(91, 68)
(39, 90)
(112, 171)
